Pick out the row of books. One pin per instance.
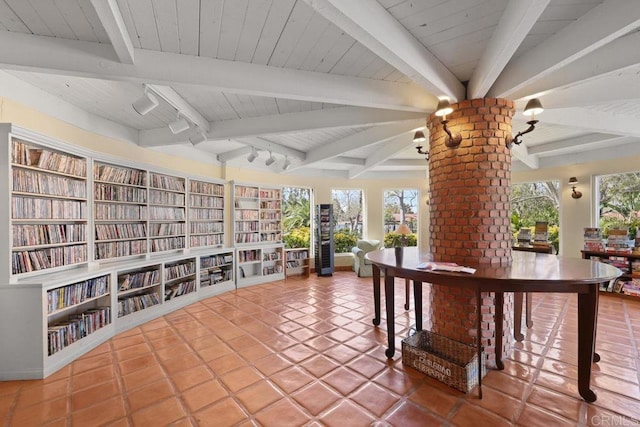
(120, 231)
(196, 200)
(271, 256)
(216, 276)
(119, 193)
(23, 207)
(118, 175)
(246, 226)
(133, 303)
(166, 182)
(179, 270)
(206, 227)
(216, 260)
(164, 212)
(110, 250)
(180, 289)
(206, 188)
(207, 240)
(246, 215)
(297, 255)
(623, 286)
(271, 237)
(270, 226)
(294, 263)
(27, 155)
(249, 192)
(270, 194)
(206, 213)
(167, 244)
(271, 270)
(141, 279)
(166, 198)
(40, 259)
(250, 255)
(119, 212)
(275, 216)
(167, 229)
(247, 238)
(76, 293)
(77, 327)
(272, 204)
(618, 240)
(47, 234)
(34, 182)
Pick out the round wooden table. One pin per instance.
(528, 272)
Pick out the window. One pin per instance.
(347, 215)
(536, 201)
(400, 206)
(618, 201)
(296, 217)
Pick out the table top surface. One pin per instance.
(526, 269)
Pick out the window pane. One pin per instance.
(400, 207)
(619, 201)
(347, 217)
(296, 217)
(536, 202)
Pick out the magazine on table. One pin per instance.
(445, 266)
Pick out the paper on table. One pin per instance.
(445, 266)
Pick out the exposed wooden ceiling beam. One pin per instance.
(94, 60)
(569, 144)
(285, 123)
(593, 121)
(181, 105)
(369, 23)
(601, 25)
(521, 153)
(516, 22)
(361, 139)
(385, 151)
(111, 19)
(266, 145)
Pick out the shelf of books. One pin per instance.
(617, 250)
(297, 260)
(120, 211)
(138, 289)
(259, 265)
(206, 214)
(167, 212)
(179, 278)
(48, 211)
(216, 272)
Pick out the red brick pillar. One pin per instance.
(469, 213)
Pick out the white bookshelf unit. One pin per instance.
(297, 262)
(85, 259)
(257, 233)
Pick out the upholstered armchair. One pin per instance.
(361, 266)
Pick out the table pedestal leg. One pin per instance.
(406, 294)
(517, 316)
(528, 311)
(417, 297)
(389, 300)
(499, 319)
(587, 315)
(376, 294)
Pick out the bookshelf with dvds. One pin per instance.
(259, 265)
(257, 233)
(138, 289)
(167, 212)
(216, 271)
(206, 213)
(179, 279)
(628, 284)
(297, 262)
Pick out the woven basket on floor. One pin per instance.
(449, 361)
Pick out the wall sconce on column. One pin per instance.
(572, 182)
(419, 138)
(442, 110)
(532, 108)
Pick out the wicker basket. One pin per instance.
(451, 362)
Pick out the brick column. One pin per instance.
(469, 213)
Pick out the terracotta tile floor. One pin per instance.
(304, 352)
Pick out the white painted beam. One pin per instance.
(111, 19)
(172, 98)
(266, 145)
(386, 150)
(601, 25)
(405, 163)
(94, 60)
(593, 121)
(521, 153)
(515, 23)
(369, 23)
(569, 144)
(279, 124)
(229, 155)
(605, 61)
(358, 140)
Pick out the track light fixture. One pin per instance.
(179, 125)
(197, 138)
(287, 163)
(252, 155)
(442, 110)
(532, 108)
(145, 103)
(270, 160)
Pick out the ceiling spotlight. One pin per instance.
(179, 125)
(286, 164)
(197, 138)
(253, 155)
(270, 160)
(146, 103)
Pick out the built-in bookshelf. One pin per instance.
(139, 289)
(259, 265)
(206, 213)
(48, 208)
(179, 278)
(270, 215)
(167, 212)
(76, 311)
(216, 272)
(246, 215)
(120, 211)
(297, 262)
